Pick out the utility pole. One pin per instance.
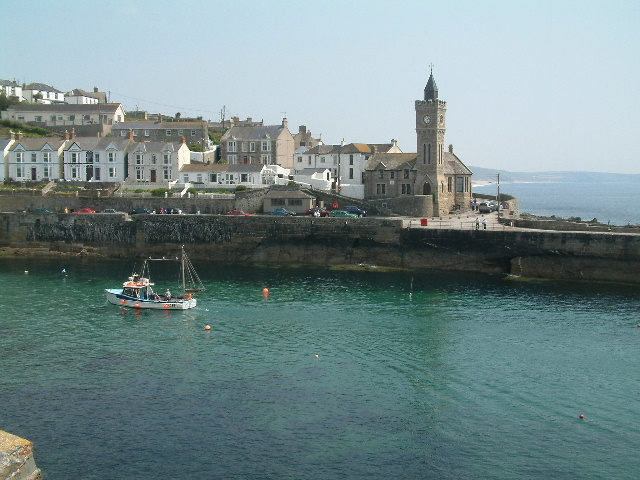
(498, 196)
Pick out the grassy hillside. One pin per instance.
(7, 126)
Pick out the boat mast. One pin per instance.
(184, 286)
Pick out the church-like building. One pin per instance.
(431, 182)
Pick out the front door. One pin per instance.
(96, 173)
(426, 189)
(153, 175)
(89, 172)
(34, 173)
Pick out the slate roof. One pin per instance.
(254, 133)
(9, 83)
(273, 193)
(98, 143)
(4, 142)
(204, 167)
(392, 161)
(150, 125)
(311, 171)
(37, 143)
(155, 146)
(453, 165)
(43, 87)
(324, 150)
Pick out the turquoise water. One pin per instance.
(617, 203)
(335, 375)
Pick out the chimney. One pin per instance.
(19, 135)
(13, 134)
(73, 133)
(95, 89)
(66, 135)
(183, 139)
(249, 119)
(285, 122)
(394, 142)
(235, 119)
(302, 129)
(374, 149)
(450, 148)
(130, 134)
(342, 143)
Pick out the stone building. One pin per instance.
(431, 182)
(162, 131)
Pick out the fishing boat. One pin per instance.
(138, 290)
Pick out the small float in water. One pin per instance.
(138, 292)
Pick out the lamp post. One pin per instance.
(498, 196)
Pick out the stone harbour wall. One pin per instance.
(356, 242)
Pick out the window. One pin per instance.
(138, 159)
(154, 159)
(350, 173)
(112, 172)
(199, 178)
(96, 155)
(381, 189)
(111, 157)
(299, 160)
(279, 202)
(460, 184)
(166, 159)
(60, 117)
(53, 118)
(74, 157)
(19, 157)
(381, 174)
(266, 159)
(245, 147)
(406, 173)
(406, 189)
(295, 201)
(185, 178)
(139, 175)
(86, 117)
(232, 158)
(449, 184)
(252, 146)
(147, 133)
(244, 177)
(231, 146)
(167, 133)
(123, 133)
(392, 175)
(46, 172)
(74, 173)
(47, 157)
(72, 118)
(322, 160)
(34, 157)
(193, 133)
(350, 159)
(38, 118)
(19, 172)
(180, 132)
(90, 157)
(135, 133)
(266, 146)
(213, 177)
(21, 118)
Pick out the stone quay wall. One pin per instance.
(356, 242)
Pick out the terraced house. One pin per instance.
(258, 143)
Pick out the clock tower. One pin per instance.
(430, 129)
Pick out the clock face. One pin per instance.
(427, 119)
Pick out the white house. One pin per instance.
(5, 145)
(319, 178)
(36, 158)
(346, 162)
(42, 93)
(78, 96)
(157, 161)
(96, 159)
(220, 174)
(11, 88)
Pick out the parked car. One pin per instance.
(484, 208)
(357, 211)
(111, 210)
(140, 210)
(281, 211)
(321, 212)
(85, 210)
(41, 210)
(343, 213)
(493, 206)
(237, 212)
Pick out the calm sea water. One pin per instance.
(617, 203)
(355, 375)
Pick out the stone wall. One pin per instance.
(330, 241)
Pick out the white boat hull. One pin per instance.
(116, 297)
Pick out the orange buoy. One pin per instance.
(123, 301)
(207, 327)
(265, 291)
(137, 305)
(166, 306)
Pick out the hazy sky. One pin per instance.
(529, 85)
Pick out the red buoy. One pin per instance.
(581, 416)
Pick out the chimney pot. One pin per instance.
(450, 148)
(130, 134)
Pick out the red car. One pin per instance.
(321, 212)
(85, 210)
(237, 212)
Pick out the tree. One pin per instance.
(178, 115)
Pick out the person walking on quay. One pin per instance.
(477, 223)
(484, 223)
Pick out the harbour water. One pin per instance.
(617, 203)
(355, 375)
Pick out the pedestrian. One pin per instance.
(477, 223)
(484, 223)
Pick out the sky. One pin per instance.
(530, 85)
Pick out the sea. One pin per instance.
(615, 203)
(327, 374)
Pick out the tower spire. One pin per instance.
(431, 90)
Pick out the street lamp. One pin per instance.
(498, 196)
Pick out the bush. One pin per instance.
(192, 191)
(159, 192)
(240, 188)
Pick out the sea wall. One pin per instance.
(357, 242)
(16, 458)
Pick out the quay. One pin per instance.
(519, 248)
